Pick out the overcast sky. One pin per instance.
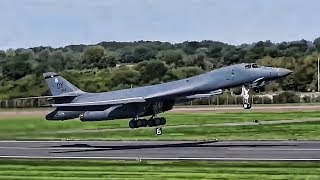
(28, 23)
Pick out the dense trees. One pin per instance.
(115, 65)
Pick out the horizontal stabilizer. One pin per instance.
(102, 103)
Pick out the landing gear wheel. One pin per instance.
(144, 122)
(157, 121)
(139, 123)
(151, 123)
(132, 124)
(163, 121)
(247, 105)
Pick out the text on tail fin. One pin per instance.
(58, 85)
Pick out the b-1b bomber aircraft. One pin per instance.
(135, 103)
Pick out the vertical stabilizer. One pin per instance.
(58, 85)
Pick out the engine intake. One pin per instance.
(62, 115)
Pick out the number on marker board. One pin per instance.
(159, 131)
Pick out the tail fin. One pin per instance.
(58, 85)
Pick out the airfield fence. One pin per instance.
(224, 99)
(19, 103)
(281, 98)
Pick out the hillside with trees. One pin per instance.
(109, 66)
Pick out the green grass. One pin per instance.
(39, 128)
(76, 169)
(239, 105)
(306, 131)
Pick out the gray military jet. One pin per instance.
(134, 103)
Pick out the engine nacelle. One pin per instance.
(114, 112)
(63, 115)
(94, 116)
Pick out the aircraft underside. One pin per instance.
(134, 111)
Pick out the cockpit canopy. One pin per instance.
(251, 66)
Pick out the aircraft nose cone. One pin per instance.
(283, 72)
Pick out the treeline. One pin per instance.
(115, 65)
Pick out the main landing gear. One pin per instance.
(245, 96)
(152, 122)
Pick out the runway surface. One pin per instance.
(164, 150)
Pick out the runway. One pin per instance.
(164, 150)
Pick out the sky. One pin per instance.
(57, 23)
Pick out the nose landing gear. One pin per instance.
(245, 96)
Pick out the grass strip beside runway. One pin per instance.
(39, 128)
(301, 131)
(76, 169)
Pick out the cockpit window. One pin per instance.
(248, 66)
(255, 66)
